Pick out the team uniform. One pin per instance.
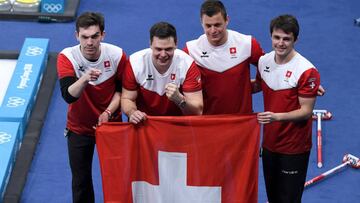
(141, 75)
(286, 145)
(83, 112)
(225, 72)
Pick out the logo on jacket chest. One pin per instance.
(287, 75)
(232, 51)
(81, 68)
(107, 66)
(204, 54)
(172, 77)
(149, 77)
(267, 69)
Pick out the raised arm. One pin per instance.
(76, 88)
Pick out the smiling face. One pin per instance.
(215, 28)
(90, 39)
(283, 45)
(162, 52)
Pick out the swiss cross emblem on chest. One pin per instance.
(287, 75)
(232, 51)
(106, 64)
(172, 76)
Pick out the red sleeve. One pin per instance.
(121, 67)
(309, 82)
(64, 67)
(129, 80)
(186, 50)
(192, 81)
(256, 52)
(258, 78)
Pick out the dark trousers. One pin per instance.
(81, 151)
(284, 176)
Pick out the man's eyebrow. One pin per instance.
(95, 34)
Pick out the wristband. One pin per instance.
(108, 113)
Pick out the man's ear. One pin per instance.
(76, 35)
(103, 35)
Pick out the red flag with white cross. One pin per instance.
(180, 159)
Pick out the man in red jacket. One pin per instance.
(90, 78)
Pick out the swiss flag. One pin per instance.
(232, 50)
(180, 159)
(107, 64)
(288, 74)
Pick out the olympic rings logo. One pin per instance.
(52, 8)
(4, 137)
(15, 102)
(33, 51)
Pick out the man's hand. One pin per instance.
(104, 117)
(173, 94)
(321, 91)
(266, 117)
(137, 116)
(92, 74)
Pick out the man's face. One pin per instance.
(215, 28)
(282, 43)
(90, 39)
(162, 52)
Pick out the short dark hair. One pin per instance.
(287, 23)
(162, 30)
(88, 19)
(213, 7)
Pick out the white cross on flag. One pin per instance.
(172, 184)
(202, 159)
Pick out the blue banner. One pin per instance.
(9, 145)
(25, 82)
